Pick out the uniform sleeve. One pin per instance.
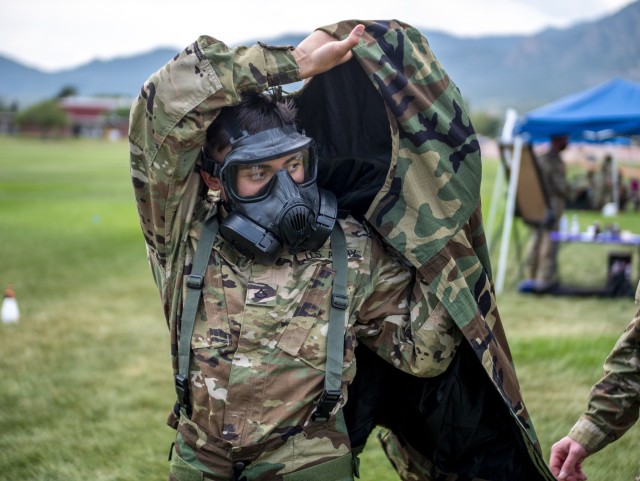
(168, 124)
(614, 402)
(403, 322)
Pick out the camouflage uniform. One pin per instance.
(602, 188)
(428, 210)
(259, 341)
(542, 252)
(614, 403)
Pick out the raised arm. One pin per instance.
(175, 107)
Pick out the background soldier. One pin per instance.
(542, 251)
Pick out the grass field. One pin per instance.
(85, 374)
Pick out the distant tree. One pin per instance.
(122, 112)
(486, 124)
(47, 116)
(67, 91)
(8, 107)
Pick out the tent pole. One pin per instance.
(614, 181)
(510, 209)
(497, 188)
(506, 138)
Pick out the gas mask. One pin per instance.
(273, 199)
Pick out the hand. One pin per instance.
(320, 51)
(566, 460)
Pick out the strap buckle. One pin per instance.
(326, 403)
(182, 390)
(339, 301)
(195, 282)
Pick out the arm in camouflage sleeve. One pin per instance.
(613, 408)
(403, 322)
(614, 402)
(169, 120)
(168, 127)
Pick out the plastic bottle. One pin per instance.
(564, 224)
(575, 225)
(9, 313)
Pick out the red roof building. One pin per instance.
(96, 116)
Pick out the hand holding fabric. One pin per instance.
(320, 51)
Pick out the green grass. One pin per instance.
(86, 381)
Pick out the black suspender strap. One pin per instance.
(335, 335)
(195, 282)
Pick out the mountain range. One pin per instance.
(493, 72)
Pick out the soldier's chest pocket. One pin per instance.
(305, 334)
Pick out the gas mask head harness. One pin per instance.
(272, 196)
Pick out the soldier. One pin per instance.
(542, 251)
(253, 399)
(259, 394)
(602, 191)
(614, 404)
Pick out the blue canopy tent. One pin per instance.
(603, 113)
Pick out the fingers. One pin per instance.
(356, 34)
(566, 460)
(350, 42)
(573, 464)
(342, 48)
(577, 454)
(320, 51)
(559, 452)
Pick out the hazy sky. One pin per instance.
(54, 35)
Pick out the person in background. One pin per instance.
(542, 252)
(603, 184)
(634, 193)
(613, 408)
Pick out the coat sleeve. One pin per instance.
(403, 322)
(614, 402)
